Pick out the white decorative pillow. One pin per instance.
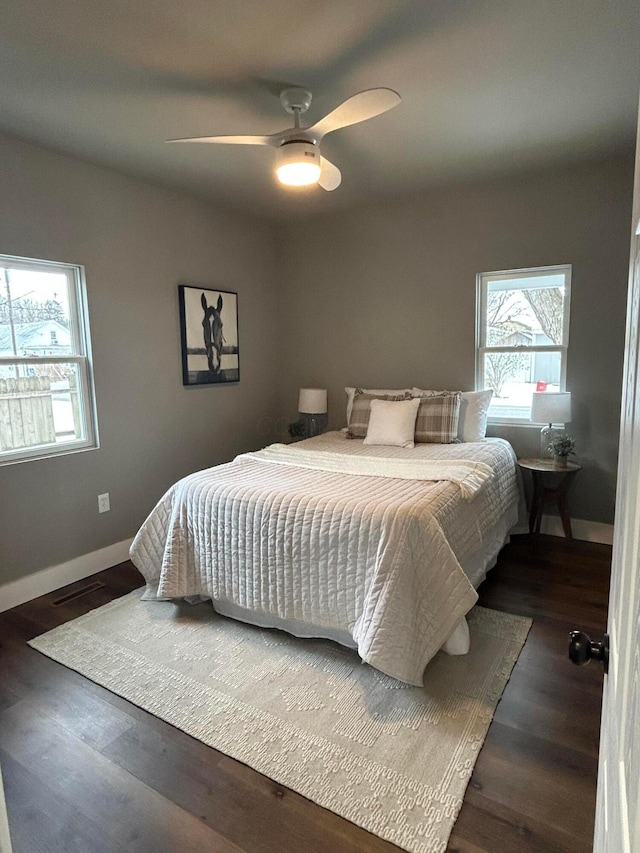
(392, 423)
(474, 407)
(361, 412)
(377, 392)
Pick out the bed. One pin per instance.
(378, 548)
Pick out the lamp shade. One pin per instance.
(298, 164)
(312, 401)
(551, 407)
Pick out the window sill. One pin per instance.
(46, 453)
(525, 424)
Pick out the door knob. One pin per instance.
(582, 649)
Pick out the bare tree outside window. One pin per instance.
(502, 326)
(548, 306)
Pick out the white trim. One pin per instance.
(5, 838)
(40, 583)
(588, 531)
(78, 318)
(625, 822)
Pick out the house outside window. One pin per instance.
(47, 404)
(522, 337)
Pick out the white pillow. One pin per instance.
(474, 407)
(392, 422)
(386, 392)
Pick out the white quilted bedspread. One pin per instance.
(373, 556)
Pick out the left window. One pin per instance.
(47, 404)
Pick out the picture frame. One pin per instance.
(208, 335)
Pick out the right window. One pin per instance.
(522, 337)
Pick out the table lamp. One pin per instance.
(549, 407)
(312, 403)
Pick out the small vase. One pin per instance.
(560, 461)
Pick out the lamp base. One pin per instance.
(314, 424)
(547, 434)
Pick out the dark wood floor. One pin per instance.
(85, 771)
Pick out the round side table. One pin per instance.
(550, 481)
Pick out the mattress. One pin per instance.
(351, 551)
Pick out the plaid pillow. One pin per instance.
(361, 411)
(437, 421)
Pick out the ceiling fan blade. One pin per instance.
(330, 176)
(360, 107)
(272, 139)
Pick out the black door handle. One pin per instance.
(582, 649)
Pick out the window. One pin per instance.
(46, 390)
(522, 337)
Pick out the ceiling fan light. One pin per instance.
(298, 164)
(298, 174)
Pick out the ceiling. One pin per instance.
(488, 86)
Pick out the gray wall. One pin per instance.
(380, 295)
(385, 296)
(137, 243)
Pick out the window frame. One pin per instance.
(482, 282)
(82, 357)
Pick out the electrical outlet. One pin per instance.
(103, 503)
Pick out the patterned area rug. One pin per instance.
(389, 757)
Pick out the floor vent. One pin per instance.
(78, 593)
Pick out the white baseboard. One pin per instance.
(588, 531)
(5, 838)
(40, 583)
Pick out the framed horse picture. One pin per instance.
(209, 335)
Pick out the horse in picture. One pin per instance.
(213, 337)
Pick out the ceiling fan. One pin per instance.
(298, 158)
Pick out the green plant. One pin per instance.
(562, 445)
